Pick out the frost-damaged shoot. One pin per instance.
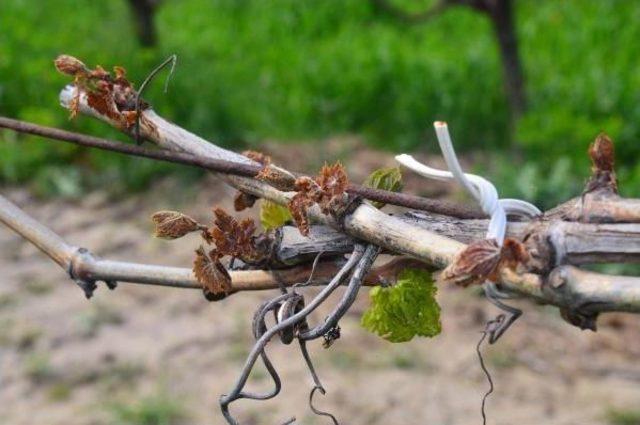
(329, 232)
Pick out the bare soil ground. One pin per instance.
(66, 360)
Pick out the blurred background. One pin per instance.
(525, 85)
(529, 90)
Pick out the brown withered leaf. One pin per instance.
(211, 274)
(113, 97)
(307, 193)
(298, 206)
(173, 224)
(242, 201)
(333, 179)
(101, 99)
(474, 264)
(232, 237)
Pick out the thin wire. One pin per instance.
(171, 59)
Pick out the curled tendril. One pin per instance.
(313, 271)
(489, 330)
(348, 298)
(170, 60)
(318, 411)
(296, 320)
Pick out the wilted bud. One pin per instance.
(601, 153)
(173, 224)
(69, 65)
(474, 264)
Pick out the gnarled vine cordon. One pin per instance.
(396, 235)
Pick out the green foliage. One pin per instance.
(288, 69)
(386, 179)
(623, 416)
(158, 409)
(407, 309)
(273, 215)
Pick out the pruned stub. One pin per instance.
(110, 95)
(599, 203)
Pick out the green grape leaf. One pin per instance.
(386, 179)
(407, 309)
(273, 215)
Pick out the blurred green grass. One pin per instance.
(290, 70)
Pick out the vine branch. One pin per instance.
(242, 169)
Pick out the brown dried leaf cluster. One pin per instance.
(229, 237)
(174, 224)
(482, 260)
(327, 190)
(111, 95)
(332, 180)
(233, 237)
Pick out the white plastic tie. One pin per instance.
(481, 189)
